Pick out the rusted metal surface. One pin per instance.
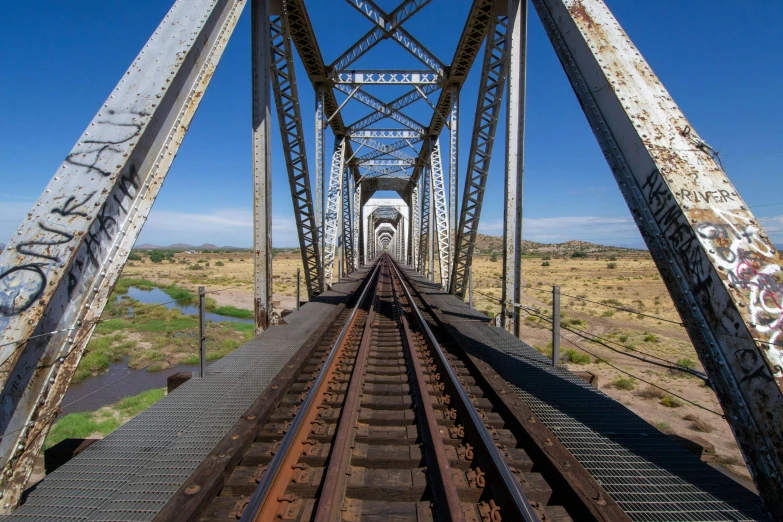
(505, 485)
(262, 164)
(268, 498)
(60, 267)
(720, 267)
(447, 501)
(597, 503)
(331, 497)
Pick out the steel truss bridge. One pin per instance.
(720, 267)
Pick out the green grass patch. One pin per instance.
(181, 295)
(624, 383)
(576, 357)
(104, 420)
(231, 311)
(124, 283)
(101, 351)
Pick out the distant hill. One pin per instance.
(185, 246)
(485, 245)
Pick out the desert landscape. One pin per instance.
(612, 293)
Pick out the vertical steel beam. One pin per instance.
(357, 225)
(347, 215)
(416, 226)
(431, 228)
(441, 206)
(320, 167)
(515, 149)
(262, 164)
(333, 209)
(424, 225)
(493, 79)
(453, 169)
(719, 266)
(293, 137)
(60, 267)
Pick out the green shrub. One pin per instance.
(576, 357)
(219, 263)
(232, 311)
(611, 266)
(687, 363)
(608, 313)
(671, 402)
(134, 256)
(650, 338)
(612, 258)
(579, 254)
(494, 257)
(624, 383)
(545, 263)
(195, 267)
(663, 426)
(622, 338)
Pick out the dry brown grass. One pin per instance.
(651, 392)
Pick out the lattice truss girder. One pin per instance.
(493, 77)
(292, 134)
(333, 203)
(440, 202)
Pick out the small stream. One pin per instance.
(87, 391)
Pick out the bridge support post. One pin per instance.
(719, 266)
(515, 148)
(202, 336)
(262, 165)
(555, 325)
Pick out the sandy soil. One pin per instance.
(632, 283)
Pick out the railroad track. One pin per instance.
(385, 424)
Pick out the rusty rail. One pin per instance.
(263, 504)
(516, 504)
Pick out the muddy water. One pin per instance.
(105, 388)
(109, 387)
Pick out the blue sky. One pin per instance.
(719, 59)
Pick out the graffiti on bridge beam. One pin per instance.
(734, 243)
(22, 285)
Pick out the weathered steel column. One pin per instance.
(515, 152)
(719, 266)
(453, 171)
(320, 169)
(262, 164)
(60, 266)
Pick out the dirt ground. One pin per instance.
(610, 279)
(627, 280)
(230, 284)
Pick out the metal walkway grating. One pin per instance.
(649, 475)
(131, 474)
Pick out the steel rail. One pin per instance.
(259, 496)
(335, 476)
(444, 489)
(519, 501)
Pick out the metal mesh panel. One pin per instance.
(650, 476)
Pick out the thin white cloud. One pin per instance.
(223, 227)
(599, 229)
